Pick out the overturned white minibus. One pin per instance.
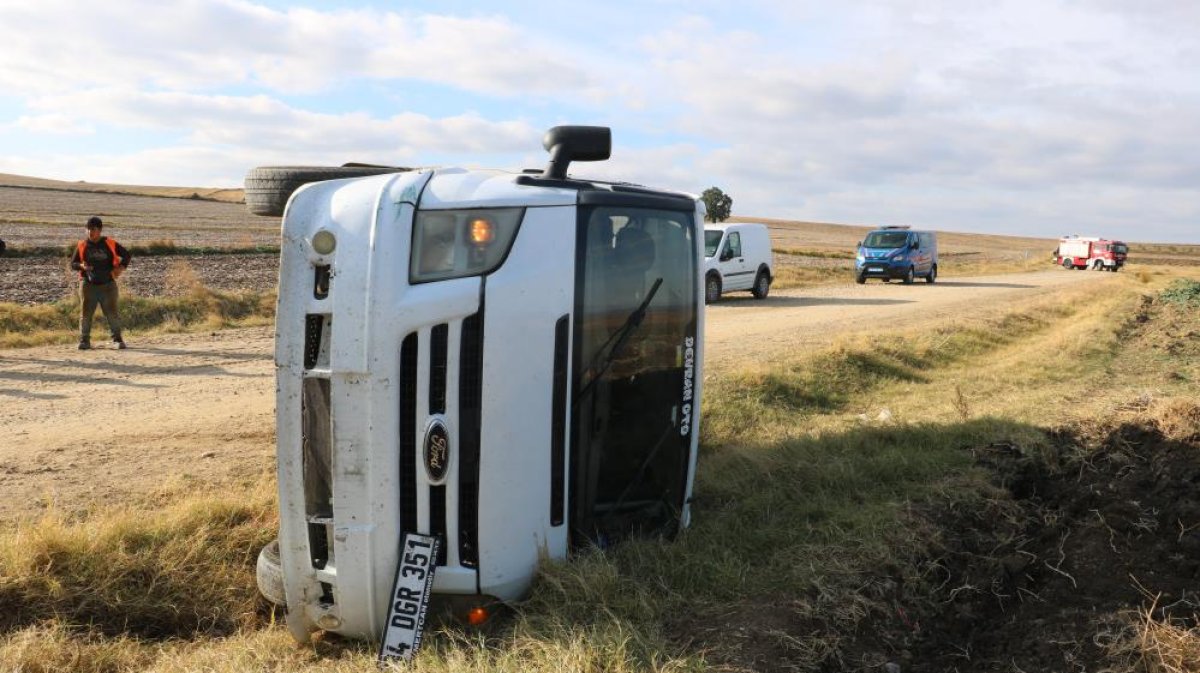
(510, 362)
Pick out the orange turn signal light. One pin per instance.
(477, 616)
(482, 231)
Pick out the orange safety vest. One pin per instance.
(112, 247)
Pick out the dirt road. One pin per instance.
(740, 327)
(90, 428)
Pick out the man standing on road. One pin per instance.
(100, 261)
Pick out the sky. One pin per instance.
(1024, 117)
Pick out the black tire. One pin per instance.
(268, 188)
(762, 284)
(909, 276)
(859, 278)
(932, 277)
(1067, 263)
(712, 288)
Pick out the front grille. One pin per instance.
(314, 325)
(437, 369)
(437, 520)
(470, 402)
(408, 434)
(316, 432)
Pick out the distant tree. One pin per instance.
(717, 203)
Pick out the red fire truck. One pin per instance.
(1098, 254)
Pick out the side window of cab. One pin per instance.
(733, 245)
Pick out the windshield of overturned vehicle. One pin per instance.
(886, 239)
(634, 335)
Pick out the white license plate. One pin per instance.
(410, 597)
(876, 269)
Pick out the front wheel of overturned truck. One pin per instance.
(269, 573)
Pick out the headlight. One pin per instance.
(458, 243)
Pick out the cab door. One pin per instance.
(923, 256)
(735, 271)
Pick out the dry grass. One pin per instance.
(1137, 642)
(1177, 418)
(197, 308)
(181, 279)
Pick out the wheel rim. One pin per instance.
(762, 284)
(712, 289)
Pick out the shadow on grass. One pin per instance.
(794, 544)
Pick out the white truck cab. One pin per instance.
(510, 362)
(737, 256)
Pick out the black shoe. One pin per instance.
(119, 343)
(85, 345)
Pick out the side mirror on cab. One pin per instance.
(914, 245)
(726, 254)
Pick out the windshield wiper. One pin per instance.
(618, 340)
(641, 473)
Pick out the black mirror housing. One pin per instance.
(575, 143)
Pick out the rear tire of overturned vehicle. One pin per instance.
(268, 188)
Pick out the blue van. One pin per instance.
(896, 252)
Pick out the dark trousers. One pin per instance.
(104, 295)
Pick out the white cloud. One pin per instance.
(1012, 115)
(268, 126)
(60, 45)
(53, 124)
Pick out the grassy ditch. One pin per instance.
(200, 309)
(828, 535)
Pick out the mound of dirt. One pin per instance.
(1051, 570)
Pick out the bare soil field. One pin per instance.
(41, 217)
(41, 280)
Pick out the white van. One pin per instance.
(737, 257)
(507, 362)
